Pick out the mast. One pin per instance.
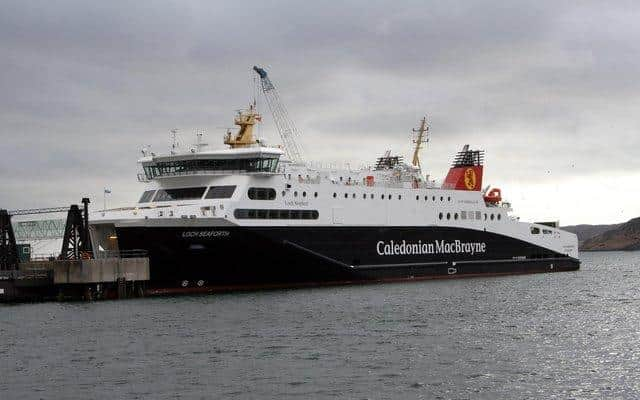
(421, 138)
(245, 119)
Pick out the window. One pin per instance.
(262, 193)
(295, 194)
(241, 213)
(448, 215)
(440, 216)
(346, 195)
(371, 195)
(389, 197)
(335, 195)
(283, 193)
(186, 167)
(478, 215)
(147, 196)
(399, 197)
(223, 192)
(499, 215)
(492, 217)
(485, 216)
(304, 194)
(434, 198)
(417, 197)
(547, 232)
(455, 216)
(448, 198)
(315, 194)
(179, 194)
(535, 230)
(441, 198)
(353, 195)
(426, 198)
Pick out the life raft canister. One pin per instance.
(494, 196)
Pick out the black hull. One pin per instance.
(235, 258)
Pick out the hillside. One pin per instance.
(624, 236)
(586, 232)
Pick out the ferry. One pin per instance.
(253, 215)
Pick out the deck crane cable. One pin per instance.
(286, 127)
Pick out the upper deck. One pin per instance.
(261, 160)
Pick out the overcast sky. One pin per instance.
(551, 92)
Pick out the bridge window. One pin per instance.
(241, 213)
(193, 193)
(147, 196)
(190, 167)
(220, 192)
(262, 193)
(535, 230)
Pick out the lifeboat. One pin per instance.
(494, 196)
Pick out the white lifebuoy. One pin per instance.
(185, 283)
(451, 271)
(200, 283)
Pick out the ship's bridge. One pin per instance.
(243, 160)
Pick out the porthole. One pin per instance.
(448, 198)
(335, 195)
(315, 194)
(440, 215)
(448, 215)
(295, 194)
(304, 194)
(389, 197)
(441, 198)
(433, 198)
(499, 217)
(492, 217)
(455, 216)
(346, 195)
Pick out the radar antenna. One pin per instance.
(286, 127)
(421, 137)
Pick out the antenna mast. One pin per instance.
(286, 127)
(422, 137)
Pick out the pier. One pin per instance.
(73, 275)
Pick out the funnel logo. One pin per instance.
(470, 178)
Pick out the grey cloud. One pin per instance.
(84, 86)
